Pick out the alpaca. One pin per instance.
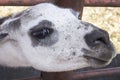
(52, 39)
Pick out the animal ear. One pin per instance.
(2, 19)
(3, 35)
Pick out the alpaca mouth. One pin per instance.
(96, 60)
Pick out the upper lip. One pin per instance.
(92, 55)
(96, 58)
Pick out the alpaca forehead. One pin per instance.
(49, 9)
(46, 11)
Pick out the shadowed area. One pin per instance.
(18, 73)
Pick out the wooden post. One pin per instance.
(74, 4)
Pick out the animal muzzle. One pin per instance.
(101, 48)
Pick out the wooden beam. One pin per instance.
(105, 3)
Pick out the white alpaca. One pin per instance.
(50, 38)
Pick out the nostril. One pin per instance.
(102, 40)
(97, 37)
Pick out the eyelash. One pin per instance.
(42, 33)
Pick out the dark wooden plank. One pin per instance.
(103, 3)
(112, 3)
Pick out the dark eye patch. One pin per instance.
(42, 24)
(43, 34)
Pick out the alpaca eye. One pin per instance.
(42, 33)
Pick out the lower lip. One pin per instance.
(96, 60)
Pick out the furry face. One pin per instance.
(52, 39)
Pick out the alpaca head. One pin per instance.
(54, 39)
